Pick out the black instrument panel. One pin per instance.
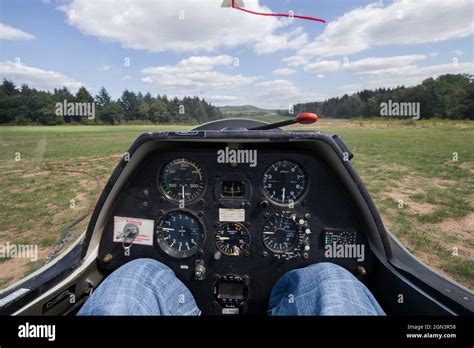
(230, 224)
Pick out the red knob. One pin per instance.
(306, 118)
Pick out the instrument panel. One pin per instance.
(231, 223)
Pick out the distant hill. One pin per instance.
(253, 112)
(247, 109)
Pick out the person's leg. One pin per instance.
(321, 289)
(141, 287)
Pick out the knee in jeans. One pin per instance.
(324, 271)
(143, 267)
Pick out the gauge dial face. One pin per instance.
(284, 181)
(347, 237)
(180, 234)
(280, 233)
(232, 238)
(181, 179)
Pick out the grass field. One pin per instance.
(423, 191)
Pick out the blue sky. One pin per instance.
(195, 47)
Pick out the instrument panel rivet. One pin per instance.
(107, 258)
(307, 216)
(305, 255)
(361, 271)
(265, 254)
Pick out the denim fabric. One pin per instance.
(148, 287)
(141, 287)
(321, 289)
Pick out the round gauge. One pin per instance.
(182, 179)
(280, 233)
(347, 237)
(232, 238)
(180, 234)
(284, 181)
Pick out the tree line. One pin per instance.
(25, 105)
(447, 96)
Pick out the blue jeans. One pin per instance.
(148, 287)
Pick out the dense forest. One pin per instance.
(447, 96)
(25, 105)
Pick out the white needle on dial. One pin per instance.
(283, 194)
(182, 194)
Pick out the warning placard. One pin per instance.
(123, 226)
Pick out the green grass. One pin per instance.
(396, 159)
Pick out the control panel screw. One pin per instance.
(361, 271)
(146, 192)
(266, 215)
(200, 214)
(162, 199)
(217, 255)
(145, 204)
(264, 204)
(265, 254)
(107, 258)
(201, 201)
(305, 255)
(307, 216)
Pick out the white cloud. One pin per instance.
(222, 99)
(433, 54)
(9, 33)
(196, 73)
(105, 67)
(366, 64)
(36, 77)
(126, 77)
(180, 25)
(403, 22)
(281, 94)
(292, 40)
(409, 75)
(320, 76)
(283, 71)
(457, 53)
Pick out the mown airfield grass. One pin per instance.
(425, 195)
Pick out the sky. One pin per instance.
(198, 48)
